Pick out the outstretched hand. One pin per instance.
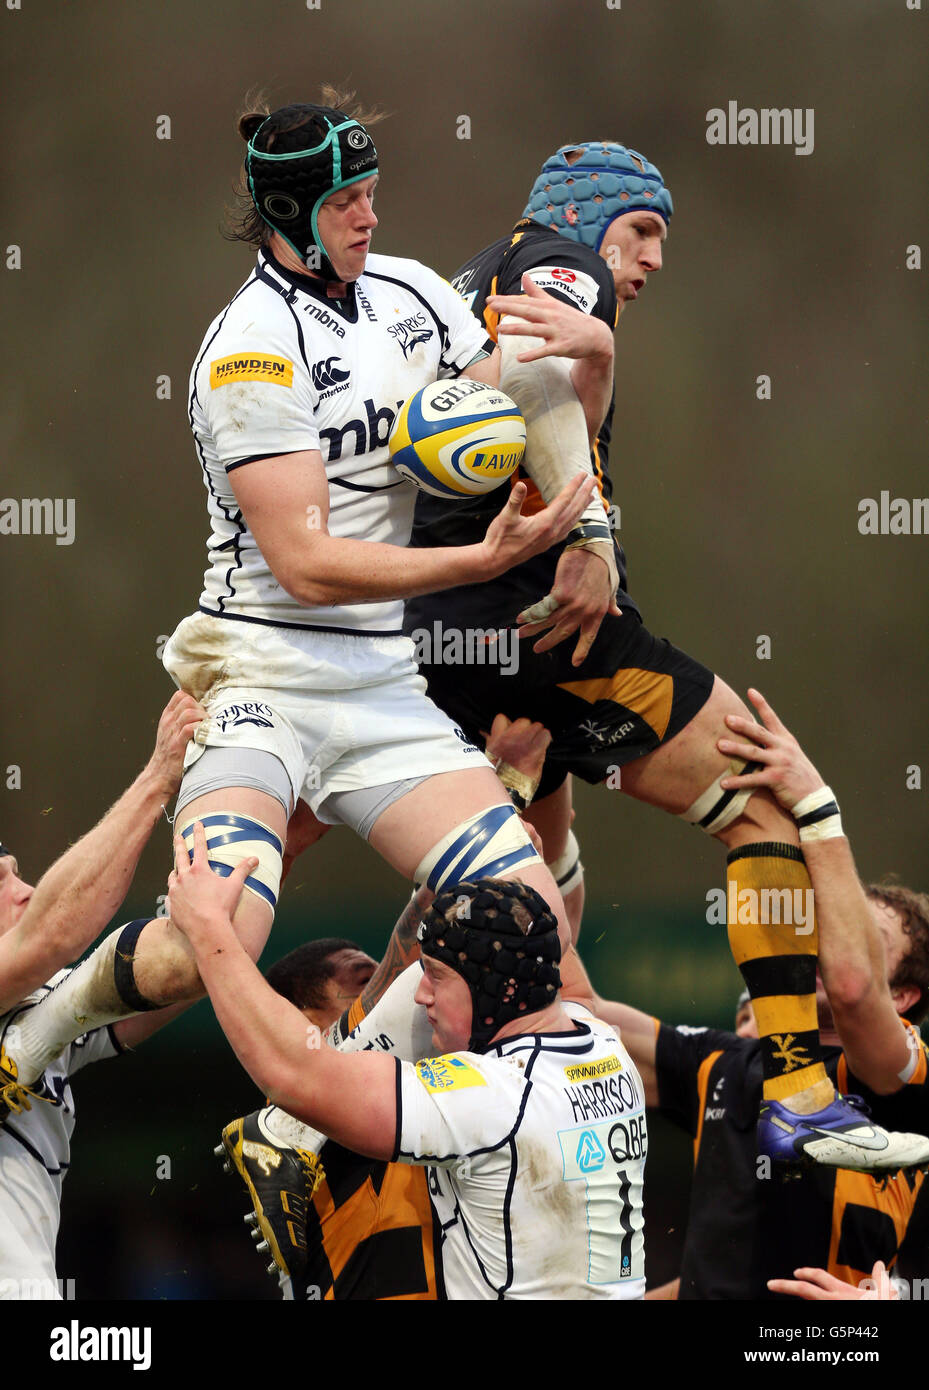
(581, 596)
(785, 770)
(201, 901)
(512, 538)
(519, 742)
(176, 727)
(565, 331)
(819, 1286)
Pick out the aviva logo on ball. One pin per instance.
(458, 438)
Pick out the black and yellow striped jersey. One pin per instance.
(749, 1223)
(579, 277)
(369, 1230)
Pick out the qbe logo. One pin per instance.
(591, 1154)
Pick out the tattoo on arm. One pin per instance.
(402, 950)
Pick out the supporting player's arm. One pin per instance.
(566, 342)
(350, 1097)
(285, 501)
(639, 1034)
(564, 403)
(79, 894)
(851, 953)
(819, 1286)
(402, 950)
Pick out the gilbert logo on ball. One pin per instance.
(458, 438)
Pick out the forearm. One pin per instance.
(341, 570)
(853, 969)
(851, 956)
(402, 950)
(592, 379)
(81, 892)
(269, 1035)
(348, 1098)
(638, 1032)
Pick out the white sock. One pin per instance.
(85, 999)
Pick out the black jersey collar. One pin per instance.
(308, 284)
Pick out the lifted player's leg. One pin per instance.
(458, 825)
(148, 963)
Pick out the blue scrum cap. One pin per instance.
(581, 197)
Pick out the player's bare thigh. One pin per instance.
(673, 776)
(163, 965)
(676, 773)
(409, 828)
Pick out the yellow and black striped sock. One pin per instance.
(774, 941)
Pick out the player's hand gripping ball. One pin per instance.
(458, 438)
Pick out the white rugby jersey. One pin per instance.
(536, 1157)
(35, 1152)
(284, 368)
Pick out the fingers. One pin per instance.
(499, 727)
(517, 497)
(181, 858)
(751, 752)
(235, 883)
(744, 724)
(565, 627)
(585, 641)
(768, 717)
(538, 612)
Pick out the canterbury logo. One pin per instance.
(791, 1056)
(266, 1157)
(326, 374)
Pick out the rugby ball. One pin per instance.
(458, 438)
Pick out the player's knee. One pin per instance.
(153, 966)
(493, 843)
(754, 809)
(232, 837)
(715, 809)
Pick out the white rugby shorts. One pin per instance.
(343, 712)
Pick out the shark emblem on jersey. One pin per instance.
(409, 333)
(262, 716)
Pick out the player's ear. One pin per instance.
(904, 998)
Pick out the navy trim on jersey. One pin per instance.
(361, 487)
(397, 1086)
(315, 288)
(233, 521)
(279, 289)
(256, 458)
(442, 327)
(547, 1042)
(33, 1153)
(304, 627)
